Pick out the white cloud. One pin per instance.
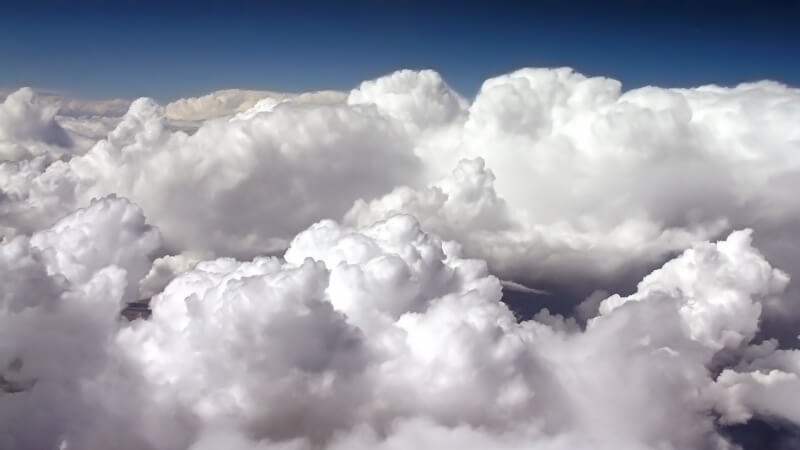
(419, 100)
(583, 180)
(239, 187)
(62, 292)
(581, 185)
(28, 129)
(579, 179)
(376, 332)
(378, 337)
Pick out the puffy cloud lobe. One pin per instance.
(419, 100)
(313, 325)
(28, 129)
(763, 384)
(599, 183)
(298, 364)
(769, 394)
(164, 270)
(408, 342)
(215, 190)
(733, 275)
(569, 148)
(108, 232)
(63, 289)
(466, 197)
(465, 206)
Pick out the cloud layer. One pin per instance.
(324, 269)
(383, 336)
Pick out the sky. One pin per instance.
(132, 49)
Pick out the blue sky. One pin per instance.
(141, 48)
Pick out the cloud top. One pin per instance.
(324, 269)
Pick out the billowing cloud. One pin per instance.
(569, 169)
(28, 129)
(595, 182)
(216, 189)
(554, 176)
(419, 100)
(63, 289)
(378, 337)
(324, 269)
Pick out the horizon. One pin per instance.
(133, 50)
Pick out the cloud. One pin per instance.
(228, 102)
(383, 336)
(78, 107)
(28, 129)
(554, 176)
(558, 180)
(326, 269)
(243, 186)
(570, 169)
(62, 292)
(465, 206)
(419, 100)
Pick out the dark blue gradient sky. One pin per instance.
(130, 49)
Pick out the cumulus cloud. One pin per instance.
(544, 162)
(419, 100)
(553, 176)
(326, 268)
(28, 129)
(378, 337)
(218, 188)
(63, 289)
(558, 180)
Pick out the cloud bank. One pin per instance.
(324, 269)
(383, 336)
(227, 102)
